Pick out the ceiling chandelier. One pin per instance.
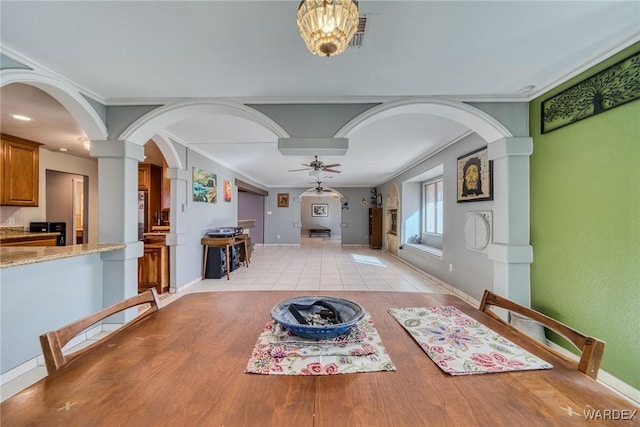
(327, 26)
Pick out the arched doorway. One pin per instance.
(154, 125)
(510, 253)
(321, 213)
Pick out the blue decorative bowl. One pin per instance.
(351, 313)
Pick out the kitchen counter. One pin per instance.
(15, 256)
(9, 234)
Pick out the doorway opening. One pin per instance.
(321, 213)
(68, 201)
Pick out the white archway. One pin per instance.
(333, 199)
(160, 118)
(476, 120)
(153, 125)
(510, 251)
(67, 95)
(168, 150)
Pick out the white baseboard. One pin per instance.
(614, 383)
(14, 373)
(25, 367)
(188, 285)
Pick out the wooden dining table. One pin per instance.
(184, 366)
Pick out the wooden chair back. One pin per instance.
(591, 348)
(53, 342)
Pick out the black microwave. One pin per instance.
(51, 227)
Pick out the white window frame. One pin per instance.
(432, 232)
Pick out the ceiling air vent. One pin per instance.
(358, 37)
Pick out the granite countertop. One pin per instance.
(12, 256)
(8, 236)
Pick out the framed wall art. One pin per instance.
(283, 200)
(227, 190)
(475, 177)
(611, 87)
(319, 209)
(205, 186)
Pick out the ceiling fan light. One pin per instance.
(327, 26)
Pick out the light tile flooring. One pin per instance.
(318, 264)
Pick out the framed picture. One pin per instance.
(205, 186)
(227, 191)
(475, 177)
(319, 209)
(283, 200)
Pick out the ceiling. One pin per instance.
(250, 52)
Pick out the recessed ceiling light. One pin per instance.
(21, 117)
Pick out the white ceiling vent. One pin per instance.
(358, 37)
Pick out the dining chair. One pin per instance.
(591, 348)
(53, 342)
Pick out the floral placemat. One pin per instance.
(460, 345)
(278, 352)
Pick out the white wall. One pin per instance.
(40, 297)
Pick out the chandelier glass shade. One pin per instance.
(327, 26)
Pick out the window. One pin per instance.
(432, 212)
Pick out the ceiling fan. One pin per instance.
(320, 189)
(318, 165)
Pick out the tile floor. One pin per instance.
(318, 264)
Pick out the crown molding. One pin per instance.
(36, 66)
(588, 64)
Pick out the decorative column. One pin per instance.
(179, 180)
(511, 252)
(118, 217)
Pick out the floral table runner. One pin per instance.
(460, 345)
(278, 352)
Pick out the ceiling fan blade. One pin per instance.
(331, 170)
(332, 165)
(296, 170)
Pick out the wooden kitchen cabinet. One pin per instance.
(150, 180)
(144, 171)
(166, 189)
(31, 241)
(19, 170)
(153, 268)
(375, 228)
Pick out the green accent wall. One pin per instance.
(585, 226)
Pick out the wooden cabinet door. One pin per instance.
(153, 268)
(166, 188)
(20, 171)
(375, 228)
(144, 175)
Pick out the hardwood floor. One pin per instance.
(318, 264)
